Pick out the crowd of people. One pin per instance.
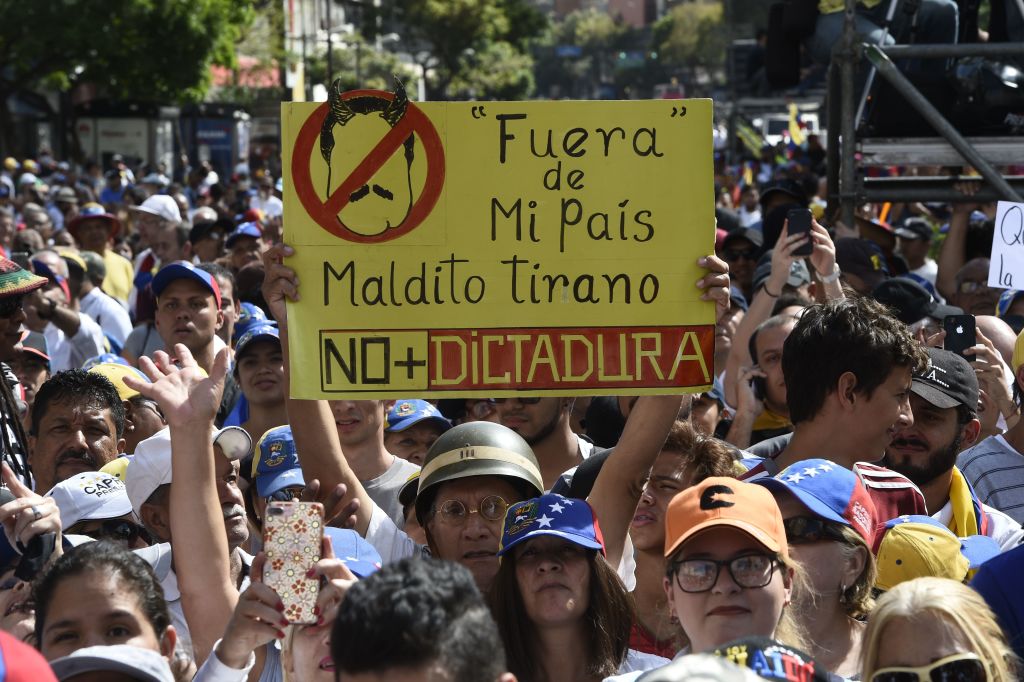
(843, 503)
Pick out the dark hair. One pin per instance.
(788, 299)
(704, 455)
(181, 232)
(79, 387)
(219, 272)
(413, 613)
(856, 335)
(770, 323)
(609, 619)
(133, 573)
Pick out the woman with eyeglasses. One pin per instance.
(935, 630)
(728, 571)
(562, 611)
(830, 526)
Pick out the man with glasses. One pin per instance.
(741, 249)
(96, 504)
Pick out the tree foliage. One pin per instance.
(454, 40)
(693, 38)
(377, 68)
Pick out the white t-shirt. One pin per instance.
(108, 314)
(71, 353)
(1003, 529)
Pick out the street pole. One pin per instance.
(330, 49)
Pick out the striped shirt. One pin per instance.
(996, 471)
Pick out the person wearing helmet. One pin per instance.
(471, 465)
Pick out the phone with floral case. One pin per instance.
(292, 534)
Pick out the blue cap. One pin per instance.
(182, 269)
(106, 358)
(5, 191)
(977, 549)
(830, 491)
(408, 412)
(570, 519)
(356, 553)
(275, 465)
(248, 315)
(1006, 300)
(244, 230)
(255, 333)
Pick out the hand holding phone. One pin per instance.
(799, 222)
(292, 536)
(961, 333)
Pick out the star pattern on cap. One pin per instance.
(544, 521)
(810, 471)
(824, 468)
(557, 507)
(794, 478)
(288, 474)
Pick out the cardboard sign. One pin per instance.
(499, 248)
(1006, 268)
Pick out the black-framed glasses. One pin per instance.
(966, 667)
(525, 401)
(284, 494)
(455, 512)
(803, 530)
(10, 305)
(747, 571)
(733, 255)
(117, 530)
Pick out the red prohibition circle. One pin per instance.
(326, 213)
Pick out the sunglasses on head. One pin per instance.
(117, 530)
(956, 668)
(802, 530)
(732, 255)
(10, 305)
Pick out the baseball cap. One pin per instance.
(22, 663)
(911, 301)
(208, 229)
(157, 179)
(862, 258)
(145, 665)
(1007, 299)
(182, 269)
(90, 496)
(916, 546)
(27, 178)
(249, 314)
(570, 519)
(73, 260)
(256, 333)
(1018, 351)
(948, 381)
(700, 668)
(150, 467)
(15, 280)
(409, 412)
(721, 501)
(92, 211)
(830, 491)
(798, 272)
(276, 463)
(790, 188)
(66, 195)
(117, 467)
(356, 553)
(914, 228)
(773, 660)
(161, 206)
(250, 229)
(751, 235)
(35, 343)
(5, 192)
(115, 372)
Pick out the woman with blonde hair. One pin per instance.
(830, 525)
(935, 629)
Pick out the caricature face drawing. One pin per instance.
(358, 124)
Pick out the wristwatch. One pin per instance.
(834, 276)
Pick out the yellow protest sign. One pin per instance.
(498, 248)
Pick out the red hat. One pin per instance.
(21, 663)
(92, 211)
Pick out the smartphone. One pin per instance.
(292, 536)
(759, 388)
(799, 221)
(961, 333)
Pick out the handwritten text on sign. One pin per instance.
(498, 248)
(1006, 269)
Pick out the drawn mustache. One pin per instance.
(365, 189)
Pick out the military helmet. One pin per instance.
(477, 449)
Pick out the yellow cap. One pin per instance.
(1018, 352)
(115, 373)
(116, 468)
(74, 257)
(917, 550)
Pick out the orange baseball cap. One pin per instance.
(721, 501)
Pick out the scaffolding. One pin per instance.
(848, 187)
